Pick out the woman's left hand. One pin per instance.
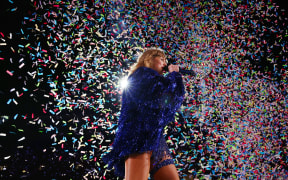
(172, 68)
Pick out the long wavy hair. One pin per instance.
(146, 57)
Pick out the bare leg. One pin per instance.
(137, 166)
(167, 173)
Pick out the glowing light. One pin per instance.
(124, 82)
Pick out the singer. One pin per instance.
(149, 103)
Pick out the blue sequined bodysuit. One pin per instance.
(149, 103)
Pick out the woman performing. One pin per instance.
(149, 103)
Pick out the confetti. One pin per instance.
(61, 85)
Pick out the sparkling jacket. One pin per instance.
(149, 103)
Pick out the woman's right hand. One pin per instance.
(172, 68)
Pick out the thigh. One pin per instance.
(137, 166)
(168, 172)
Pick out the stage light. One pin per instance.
(124, 82)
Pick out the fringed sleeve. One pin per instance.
(149, 103)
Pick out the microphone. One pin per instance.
(183, 71)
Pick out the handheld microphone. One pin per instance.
(183, 71)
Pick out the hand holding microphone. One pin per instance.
(172, 67)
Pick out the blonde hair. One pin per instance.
(144, 60)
